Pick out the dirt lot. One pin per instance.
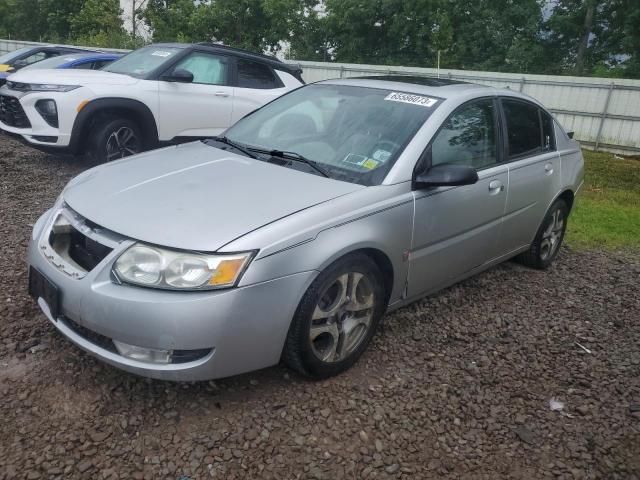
(456, 386)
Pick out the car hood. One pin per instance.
(194, 196)
(72, 77)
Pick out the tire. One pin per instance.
(114, 138)
(341, 337)
(548, 240)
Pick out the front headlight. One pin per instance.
(40, 87)
(151, 266)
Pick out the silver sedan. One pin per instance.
(289, 237)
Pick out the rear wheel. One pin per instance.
(115, 138)
(546, 245)
(336, 318)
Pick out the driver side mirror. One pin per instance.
(179, 75)
(19, 64)
(446, 175)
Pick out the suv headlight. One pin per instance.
(40, 87)
(156, 267)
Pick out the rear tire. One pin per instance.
(114, 138)
(548, 240)
(336, 318)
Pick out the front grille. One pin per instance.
(71, 243)
(86, 252)
(12, 113)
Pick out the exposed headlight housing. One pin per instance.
(155, 267)
(40, 87)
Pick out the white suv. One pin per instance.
(163, 93)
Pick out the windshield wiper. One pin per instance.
(235, 145)
(299, 158)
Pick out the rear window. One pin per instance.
(255, 75)
(524, 136)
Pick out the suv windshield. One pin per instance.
(140, 62)
(8, 57)
(353, 133)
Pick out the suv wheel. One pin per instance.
(115, 138)
(337, 317)
(546, 245)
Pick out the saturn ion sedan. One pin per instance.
(290, 236)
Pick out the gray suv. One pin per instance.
(289, 236)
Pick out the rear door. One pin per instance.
(256, 84)
(534, 170)
(201, 108)
(457, 228)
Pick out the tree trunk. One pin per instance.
(584, 41)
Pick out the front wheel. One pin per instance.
(546, 245)
(336, 318)
(115, 138)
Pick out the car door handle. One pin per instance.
(548, 169)
(221, 94)
(495, 187)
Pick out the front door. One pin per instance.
(457, 228)
(202, 108)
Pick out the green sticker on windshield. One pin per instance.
(370, 164)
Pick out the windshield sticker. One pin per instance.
(361, 161)
(412, 99)
(370, 164)
(381, 155)
(355, 159)
(161, 53)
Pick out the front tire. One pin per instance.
(336, 318)
(115, 138)
(546, 245)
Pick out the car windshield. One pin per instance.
(352, 133)
(54, 62)
(7, 58)
(140, 62)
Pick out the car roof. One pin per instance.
(428, 85)
(88, 56)
(238, 52)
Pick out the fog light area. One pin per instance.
(142, 354)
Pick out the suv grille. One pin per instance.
(12, 113)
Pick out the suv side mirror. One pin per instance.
(446, 175)
(19, 64)
(179, 75)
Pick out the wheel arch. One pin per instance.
(124, 107)
(379, 257)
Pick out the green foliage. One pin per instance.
(607, 210)
(588, 37)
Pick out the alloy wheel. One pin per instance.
(122, 143)
(552, 236)
(342, 317)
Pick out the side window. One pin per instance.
(83, 66)
(255, 75)
(36, 57)
(548, 137)
(206, 68)
(468, 137)
(524, 137)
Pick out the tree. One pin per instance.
(98, 23)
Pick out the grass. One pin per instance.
(606, 213)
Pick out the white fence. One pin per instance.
(604, 113)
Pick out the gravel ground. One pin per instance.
(455, 386)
